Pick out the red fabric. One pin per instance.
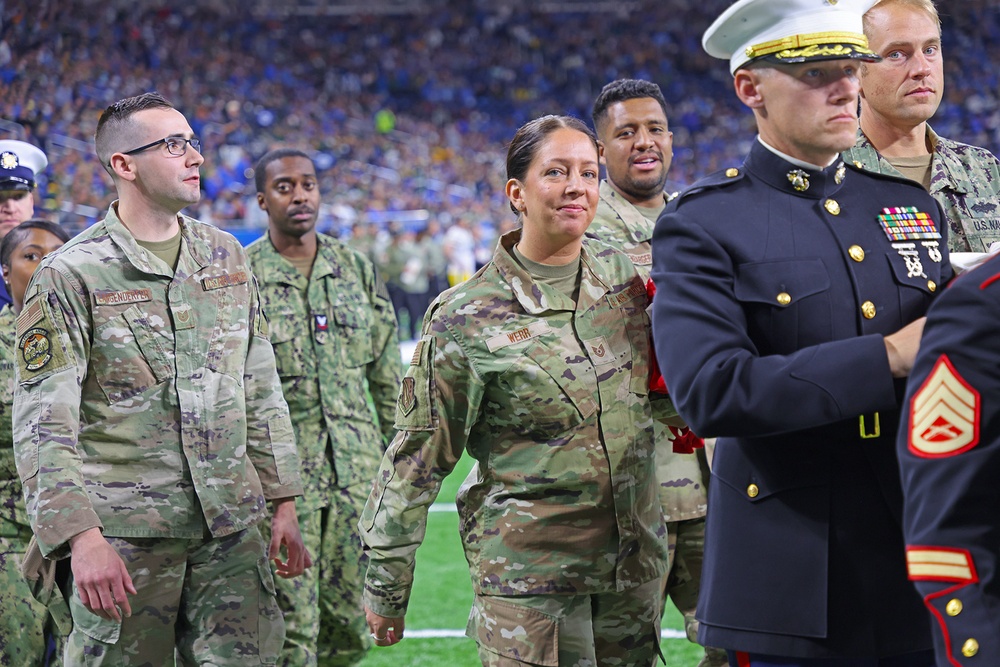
(656, 382)
(742, 659)
(685, 442)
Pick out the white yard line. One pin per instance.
(460, 634)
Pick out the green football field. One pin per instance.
(442, 596)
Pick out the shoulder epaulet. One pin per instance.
(719, 179)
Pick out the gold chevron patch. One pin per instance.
(944, 414)
(940, 564)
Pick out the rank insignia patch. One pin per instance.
(407, 395)
(944, 414)
(906, 223)
(35, 349)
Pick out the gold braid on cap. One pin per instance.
(816, 43)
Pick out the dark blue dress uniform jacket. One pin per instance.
(949, 452)
(768, 320)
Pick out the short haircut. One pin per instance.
(621, 90)
(527, 140)
(926, 6)
(17, 235)
(116, 132)
(259, 179)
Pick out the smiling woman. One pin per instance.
(537, 368)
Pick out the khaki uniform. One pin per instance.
(965, 180)
(682, 478)
(548, 398)
(25, 623)
(148, 405)
(333, 335)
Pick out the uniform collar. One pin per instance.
(536, 298)
(947, 173)
(638, 226)
(277, 269)
(192, 245)
(781, 174)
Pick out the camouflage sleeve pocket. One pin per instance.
(414, 411)
(286, 463)
(40, 350)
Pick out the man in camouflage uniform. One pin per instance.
(150, 427)
(898, 96)
(630, 117)
(334, 334)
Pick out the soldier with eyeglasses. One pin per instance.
(150, 430)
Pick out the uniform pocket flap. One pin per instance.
(780, 282)
(514, 631)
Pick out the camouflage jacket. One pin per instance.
(547, 397)
(683, 494)
(147, 401)
(334, 335)
(12, 512)
(965, 180)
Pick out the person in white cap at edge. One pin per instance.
(20, 162)
(790, 295)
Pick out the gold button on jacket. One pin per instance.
(970, 648)
(753, 491)
(954, 607)
(857, 253)
(784, 298)
(868, 310)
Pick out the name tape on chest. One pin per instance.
(635, 290)
(225, 280)
(906, 223)
(521, 335)
(944, 414)
(642, 259)
(112, 298)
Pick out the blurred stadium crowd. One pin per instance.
(407, 108)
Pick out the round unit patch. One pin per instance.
(35, 349)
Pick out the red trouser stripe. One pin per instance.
(742, 659)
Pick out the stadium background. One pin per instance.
(406, 106)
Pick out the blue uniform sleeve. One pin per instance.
(949, 452)
(720, 382)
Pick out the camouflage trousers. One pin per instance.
(324, 618)
(212, 600)
(686, 543)
(598, 630)
(28, 634)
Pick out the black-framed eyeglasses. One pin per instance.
(176, 146)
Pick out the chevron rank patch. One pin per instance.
(944, 414)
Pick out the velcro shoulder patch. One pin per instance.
(40, 349)
(944, 414)
(414, 411)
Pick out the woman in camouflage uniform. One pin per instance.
(25, 628)
(537, 367)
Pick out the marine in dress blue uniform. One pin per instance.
(949, 452)
(791, 283)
